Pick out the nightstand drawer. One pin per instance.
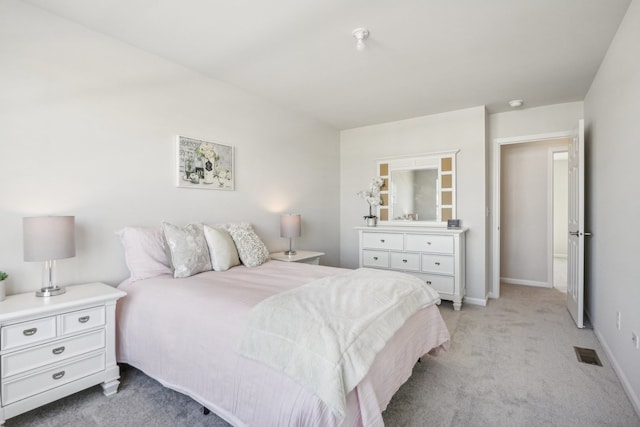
(375, 259)
(383, 241)
(28, 333)
(430, 243)
(441, 264)
(82, 320)
(12, 391)
(35, 357)
(405, 261)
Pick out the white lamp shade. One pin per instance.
(290, 225)
(49, 238)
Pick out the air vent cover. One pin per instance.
(588, 355)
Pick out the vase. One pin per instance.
(3, 289)
(372, 221)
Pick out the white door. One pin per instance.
(575, 249)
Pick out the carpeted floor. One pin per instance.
(511, 363)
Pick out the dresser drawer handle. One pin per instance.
(375, 258)
(428, 243)
(83, 319)
(29, 332)
(58, 350)
(437, 263)
(381, 240)
(58, 375)
(428, 282)
(404, 260)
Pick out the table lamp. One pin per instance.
(290, 228)
(47, 239)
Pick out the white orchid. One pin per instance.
(372, 194)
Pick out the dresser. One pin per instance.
(435, 255)
(51, 347)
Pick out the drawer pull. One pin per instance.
(375, 258)
(29, 332)
(437, 263)
(404, 260)
(428, 282)
(429, 243)
(58, 350)
(58, 375)
(381, 240)
(83, 319)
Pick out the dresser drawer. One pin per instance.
(442, 264)
(28, 333)
(383, 241)
(430, 243)
(375, 259)
(57, 351)
(442, 284)
(405, 261)
(12, 391)
(82, 320)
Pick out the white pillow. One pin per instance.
(188, 249)
(144, 252)
(252, 251)
(222, 250)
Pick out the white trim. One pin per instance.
(526, 282)
(475, 301)
(634, 398)
(497, 150)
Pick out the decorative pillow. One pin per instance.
(188, 248)
(253, 252)
(222, 250)
(144, 252)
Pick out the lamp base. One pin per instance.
(290, 252)
(50, 292)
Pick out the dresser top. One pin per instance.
(28, 304)
(413, 229)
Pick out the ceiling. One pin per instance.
(422, 57)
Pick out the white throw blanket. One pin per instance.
(326, 334)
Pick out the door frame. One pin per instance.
(497, 185)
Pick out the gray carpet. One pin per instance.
(511, 363)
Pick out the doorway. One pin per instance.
(523, 232)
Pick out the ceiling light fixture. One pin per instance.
(360, 34)
(516, 103)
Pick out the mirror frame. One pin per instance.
(444, 162)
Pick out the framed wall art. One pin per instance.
(204, 164)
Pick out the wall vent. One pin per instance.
(588, 355)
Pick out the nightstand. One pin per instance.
(307, 257)
(52, 347)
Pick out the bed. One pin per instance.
(186, 334)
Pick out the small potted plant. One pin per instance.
(3, 290)
(372, 197)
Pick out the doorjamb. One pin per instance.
(497, 185)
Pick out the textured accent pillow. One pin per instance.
(222, 250)
(144, 252)
(188, 248)
(252, 251)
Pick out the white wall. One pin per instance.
(464, 130)
(613, 206)
(88, 127)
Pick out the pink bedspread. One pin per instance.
(184, 333)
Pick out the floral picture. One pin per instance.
(204, 164)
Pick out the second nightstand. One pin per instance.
(307, 257)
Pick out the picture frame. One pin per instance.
(203, 164)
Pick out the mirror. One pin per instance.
(418, 189)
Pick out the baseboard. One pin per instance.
(524, 282)
(475, 301)
(635, 401)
